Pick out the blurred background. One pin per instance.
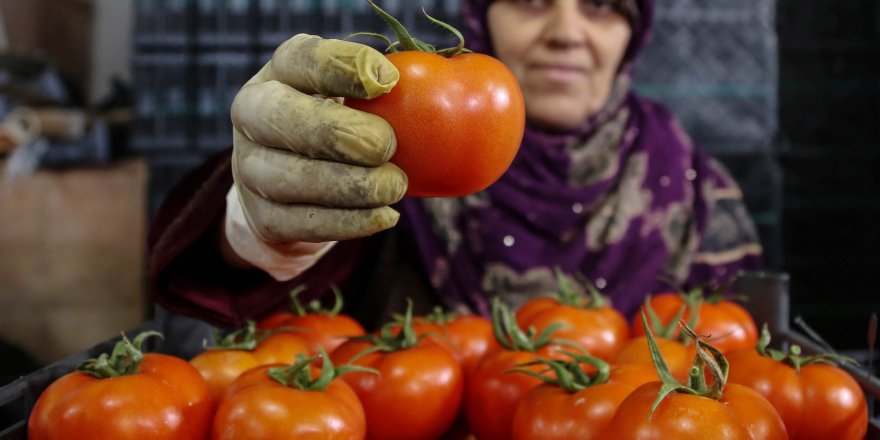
(106, 103)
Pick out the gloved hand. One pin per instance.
(306, 168)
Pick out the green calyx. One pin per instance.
(125, 359)
(793, 358)
(246, 337)
(654, 324)
(394, 336)
(314, 306)
(406, 42)
(512, 337)
(708, 357)
(569, 375)
(299, 374)
(572, 295)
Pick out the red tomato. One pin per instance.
(418, 390)
(601, 331)
(740, 413)
(816, 400)
(555, 411)
(493, 392)
(458, 121)
(160, 397)
(726, 324)
(474, 338)
(318, 326)
(258, 406)
(669, 410)
(223, 364)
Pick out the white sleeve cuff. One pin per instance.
(282, 262)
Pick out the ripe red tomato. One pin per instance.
(270, 402)
(473, 336)
(740, 413)
(318, 326)
(418, 390)
(458, 121)
(726, 324)
(589, 322)
(493, 391)
(222, 364)
(158, 397)
(574, 408)
(669, 410)
(816, 400)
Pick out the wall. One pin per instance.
(88, 40)
(72, 257)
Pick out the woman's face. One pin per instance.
(564, 53)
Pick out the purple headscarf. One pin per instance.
(623, 199)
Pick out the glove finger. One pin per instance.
(279, 223)
(285, 177)
(329, 67)
(276, 115)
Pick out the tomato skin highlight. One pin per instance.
(168, 399)
(458, 121)
(820, 402)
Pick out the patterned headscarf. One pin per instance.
(624, 199)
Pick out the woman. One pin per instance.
(605, 184)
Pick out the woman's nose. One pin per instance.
(565, 25)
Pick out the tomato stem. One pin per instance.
(125, 359)
(387, 340)
(407, 42)
(657, 326)
(708, 357)
(793, 358)
(299, 375)
(569, 375)
(511, 336)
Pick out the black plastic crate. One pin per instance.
(766, 297)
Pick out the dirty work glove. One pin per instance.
(307, 169)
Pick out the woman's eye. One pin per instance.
(533, 3)
(594, 7)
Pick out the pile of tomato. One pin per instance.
(566, 366)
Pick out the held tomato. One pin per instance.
(146, 397)
(318, 326)
(280, 401)
(591, 323)
(459, 121)
(575, 405)
(727, 325)
(815, 400)
(242, 350)
(418, 390)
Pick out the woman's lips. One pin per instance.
(561, 73)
